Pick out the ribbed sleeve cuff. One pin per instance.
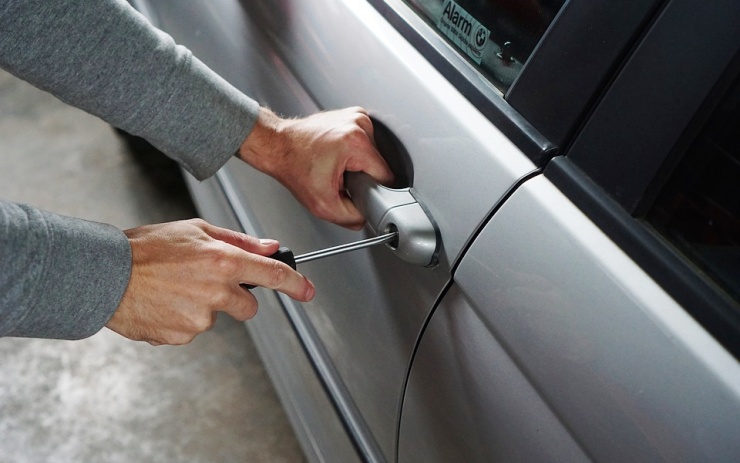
(75, 275)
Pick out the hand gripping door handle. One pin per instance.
(388, 210)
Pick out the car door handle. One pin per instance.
(388, 210)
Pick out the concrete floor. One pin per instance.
(108, 399)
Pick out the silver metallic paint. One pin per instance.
(374, 291)
(552, 343)
(624, 368)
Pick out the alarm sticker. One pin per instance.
(464, 30)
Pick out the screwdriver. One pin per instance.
(286, 256)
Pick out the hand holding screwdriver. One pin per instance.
(184, 273)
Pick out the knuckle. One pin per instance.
(197, 222)
(226, 265)
(277, 274)
(183, 338)
(323, 210)
(173, 339)
(357, 138)
(362, 118)
(196, 325)
(355, 133)
(219, 300)
(203, 324)
(248, 311)
(221, 261)
(251, 312)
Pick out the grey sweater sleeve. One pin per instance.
(60, 277)
(63, 277)
(104, 57)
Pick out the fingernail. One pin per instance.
(311, 291)
(267, 241)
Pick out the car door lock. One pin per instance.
(390, 210)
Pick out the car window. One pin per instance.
(497, 36)
(699, 208)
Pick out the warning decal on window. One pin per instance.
(464, 30)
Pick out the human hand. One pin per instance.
(185, 272)
(309, 157)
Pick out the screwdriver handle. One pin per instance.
(284, 255)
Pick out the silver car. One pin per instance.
(566, 281)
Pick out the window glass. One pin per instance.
(497, 36)
(699, 209)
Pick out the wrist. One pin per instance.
(265, 146)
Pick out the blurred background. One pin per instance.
(105, 398)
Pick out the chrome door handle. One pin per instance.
(387, 210)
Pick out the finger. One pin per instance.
(243, 241)
(367, 158)
(363, 120)
(177, 337)
(243, 306)
(338, 208)
(352, 217)
(173, 338)
(358, 109)
(372, 163)
(273, 274)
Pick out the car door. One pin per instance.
(596, 316)
(465, 124)
(370, 306)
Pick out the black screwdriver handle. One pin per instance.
(284, 255)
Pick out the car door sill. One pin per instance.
(358, 431)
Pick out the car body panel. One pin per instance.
(467, 399)
(319, 430)
(535, 337)
(367, 318)
(624, 369)
(345, 52)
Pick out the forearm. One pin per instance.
(59, 277)
(105, 58)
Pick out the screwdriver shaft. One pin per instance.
(309, 256)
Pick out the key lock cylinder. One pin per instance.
(389, 210)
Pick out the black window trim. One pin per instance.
(601, 194)
(532, 114)
(575, 61)
(474, 86)
(640, 113)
